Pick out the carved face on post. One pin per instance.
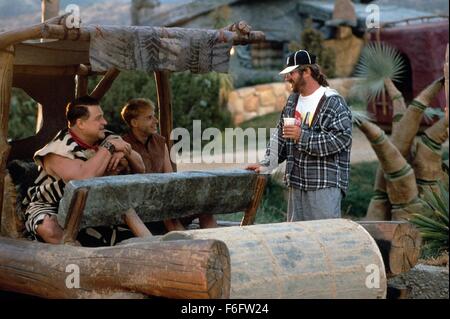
(343, 32)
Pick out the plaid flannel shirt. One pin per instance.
(321, 158)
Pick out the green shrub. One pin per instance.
(22, 115)
(196, 97)
(432, 221)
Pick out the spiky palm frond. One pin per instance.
(378, 61)
(432, 221)
(358, 117)
(431, 113)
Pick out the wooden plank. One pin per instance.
(57, 53)
(250, 213)
(179, 269)
(73, 220)
(6, 75)
(162, 79)
(152, 195)
(135, 223)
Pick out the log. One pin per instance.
(178, 269)
(328, 258)
(49, 9)
(446, 83)
(73, 220)
(11, 225)
(135, 223)
(162, 79)
(6, 74)
(82, 85)
(105, 84)
(250, 213)
(399, 243)
(50, 30)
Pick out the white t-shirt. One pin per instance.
(307, 105)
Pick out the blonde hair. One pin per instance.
(134, 107)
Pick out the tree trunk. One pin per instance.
(330, 258)
(399, 243)
(163, 89)
(6, 74)
(178, 269)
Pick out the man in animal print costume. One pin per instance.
(83, 150)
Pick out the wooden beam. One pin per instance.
(446, 82)
(49, 9)
(162, 79)
(105, 84)
(399, 243)
(6, 75)
(250, 213)
(45, 70)
(48, 30)
(135, 223)
(73, 219)
(82, 85)
(179, 269)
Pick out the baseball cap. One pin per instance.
(298, 58)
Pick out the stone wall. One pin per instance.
(249, 102)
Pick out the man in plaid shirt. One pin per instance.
(316, 147)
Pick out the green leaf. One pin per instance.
(378, 61)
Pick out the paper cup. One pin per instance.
(289, 121)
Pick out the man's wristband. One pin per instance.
(109, 146)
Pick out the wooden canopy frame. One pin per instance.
(55, 72)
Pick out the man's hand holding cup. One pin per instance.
(290, 129)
